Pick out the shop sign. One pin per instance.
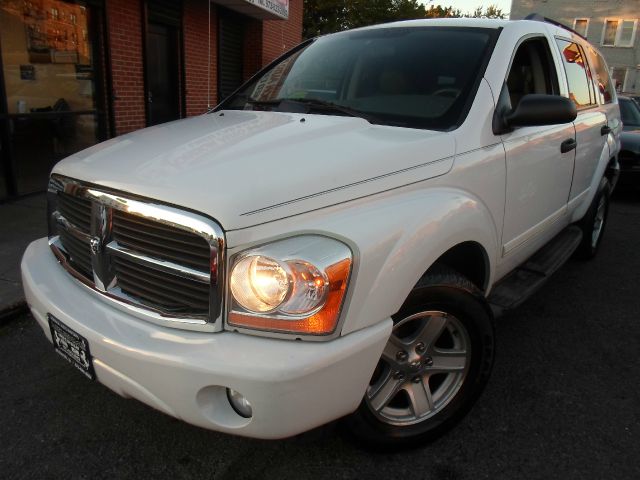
(278, 7)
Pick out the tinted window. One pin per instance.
(532, 71)
(419, 77)
(577, 74)
(602, 79)
(629, 112)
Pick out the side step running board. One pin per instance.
(525, 280)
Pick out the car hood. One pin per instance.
(244, 168)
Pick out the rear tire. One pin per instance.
(434, 367)
(594, 221)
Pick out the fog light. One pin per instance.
(239, 403)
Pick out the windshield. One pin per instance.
(418, 77)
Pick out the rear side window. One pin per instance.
(602, 80)
(577, 69)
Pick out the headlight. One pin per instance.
(295, 285)
(259, 284)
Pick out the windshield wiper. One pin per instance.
(317, 104)
(313, 104)
(264, 103)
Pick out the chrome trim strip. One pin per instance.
(167, 215)
(102, 247)
(158, 264)
(349, 185)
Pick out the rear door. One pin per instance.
(590, 135)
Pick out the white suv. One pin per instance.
(336, 237)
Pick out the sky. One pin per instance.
(470, 5)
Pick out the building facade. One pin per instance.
(611, 25)
(76, 72)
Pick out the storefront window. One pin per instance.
(49, 74)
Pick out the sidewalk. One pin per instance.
(21, 222)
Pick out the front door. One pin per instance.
(163, 70)
(539, 171)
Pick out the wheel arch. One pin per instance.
(469, 259)
(457, 230)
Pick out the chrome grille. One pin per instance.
(159, 241)
(163, 261)
(153, 287)
(76, 210)
(75, 214)
(79, 253)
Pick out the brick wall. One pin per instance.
(263, 42)
(279, 36)
(196, 35)
(124, 30)
(252, 47)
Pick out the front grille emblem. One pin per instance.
(96, 246)
(103, 270)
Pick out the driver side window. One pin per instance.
(532, 71)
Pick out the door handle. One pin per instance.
(605, 130)
(568, 145)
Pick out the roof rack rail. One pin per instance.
(539, 18)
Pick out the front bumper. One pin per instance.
(292, 386)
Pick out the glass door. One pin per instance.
(51, 72)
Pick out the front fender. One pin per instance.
(395, 238)
(427, 227)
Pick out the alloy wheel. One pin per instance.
(423, 366)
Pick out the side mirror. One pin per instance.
(534, 110)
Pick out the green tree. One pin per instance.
(328, 16)
(438, 11)
(492, 11)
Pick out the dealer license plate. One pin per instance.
(71, 346)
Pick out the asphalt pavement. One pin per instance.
(563, 401)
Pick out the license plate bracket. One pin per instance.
(71, 346)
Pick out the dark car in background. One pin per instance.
(629, 157)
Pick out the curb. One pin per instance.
(12, 310)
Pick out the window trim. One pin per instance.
(591, 56)
(618, 35)
(553, 63)
(593, 96)
(586, 29)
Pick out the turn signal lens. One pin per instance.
(303, 294)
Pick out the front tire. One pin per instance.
(433, 368)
